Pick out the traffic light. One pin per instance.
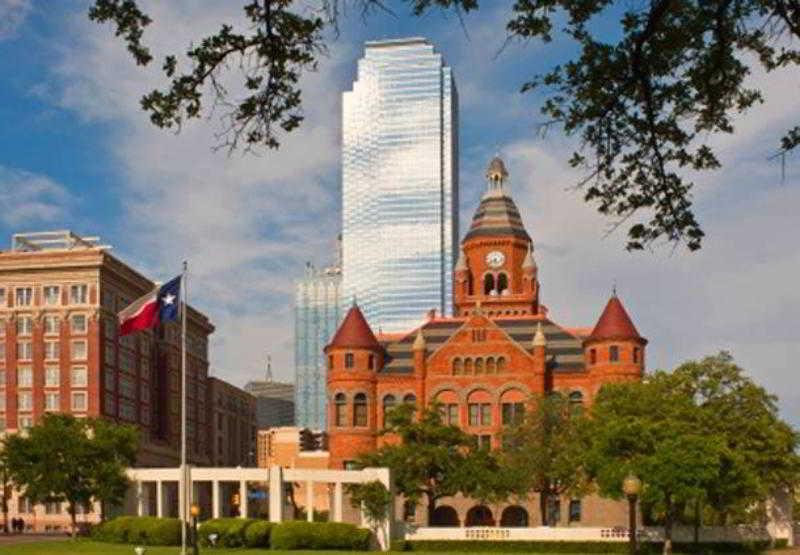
(307, 440)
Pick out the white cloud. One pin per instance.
(12, 15)
(28, 199)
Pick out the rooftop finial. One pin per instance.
(496, 174)
(269, 368)
(614, 288)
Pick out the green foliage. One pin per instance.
(258, 533)
(375, 499)
(479, 546)
(72, 460)
(231, 531)
(139, 530)
(544, 452)
(293, 535)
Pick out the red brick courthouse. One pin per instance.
(484, 363)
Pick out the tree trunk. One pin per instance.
(5, 510)
(543, 496)
(697, 509)
(668, 518)
(73, 520)
(431, 508)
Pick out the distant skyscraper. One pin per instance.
(400, 184)
(317, 315)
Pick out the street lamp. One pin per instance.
(195, 512)
(631, 486)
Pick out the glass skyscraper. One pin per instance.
(400, 184)
(317, 315)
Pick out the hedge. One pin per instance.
(233, 532)
(578, 547)
(139, 530)
(319, 535)
(258, 534)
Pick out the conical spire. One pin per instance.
(354, 332)
(614, 323)
(529, 263)
(497, 214)
(419, 342)
(539, 340)
(461, 263)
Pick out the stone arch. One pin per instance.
(445, 515)
(433, 393)
(514, 385)
(514, 516)
(479, 515)
(483, 388)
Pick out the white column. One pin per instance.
(275, 494)
(214, 499)
(159, 499)
(139, 499)
(337, 502)
(310, 501)
(243, 498)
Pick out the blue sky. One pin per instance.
(76, 152)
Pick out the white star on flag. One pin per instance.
(168, 299)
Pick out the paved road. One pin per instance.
(30, 537)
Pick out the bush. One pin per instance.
(319, 535)
(139, 530)
(572, 547)
(231, 532)
(257, 534)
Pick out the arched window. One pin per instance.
(502, 283)
(349, 360)
(330, 362)
(388, 404)
(410, 399)
(479, 366)
(360, 410)
(491, 366)
(458, 367)
(340, 410)
(613, 353)
(468, 366)
(371, 362)
(501, 365)
(488, 284)
(479, 515)
(514, 517)
(576, 402)
(592, 356)
(636, 353)
(445, 515)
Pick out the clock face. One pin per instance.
(495, 259)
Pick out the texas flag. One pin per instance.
(162, 305)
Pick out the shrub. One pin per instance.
(231, 532)
(319, 535)
(257, 534)
(140, 530)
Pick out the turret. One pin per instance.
(539, 348)
(462, 282)
(354, 356)
(615, 347)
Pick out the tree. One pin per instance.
(429, 459)
(543, 452)
(5, 485)
(375, 500)
(643, 96)
(72, 460)
(653, 430)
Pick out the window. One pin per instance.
(51, 294)
(52, 508)
(450, 414)
(576, 402)
(2, 352)
(78, 294)
(51, 401)
(79, 400)
(513, 413)
(340, 408)
(110, 380)
(2, 377)
(613, 353)
(478, 366)
(410, 399)
(24, 505)
(575, 510)
(51, 325)
(501, 365)
(486, 414)
(3, 296)
(24, 296)
(2, 400)
(24, 325)
(409, 510)
(25, 377)
(389, 403)
(78, 350)
(2, 325)
(24, 350)
(371, 362)
(592, 356)
(51, 376)
(491, 366)
(25, 400)
(636, 354)
(458, 367)
(79, 377)
(349, 360)
(478, 336)
(480, 414)
(502, 283)
(330, 362)
(483, 441)
(360, 410)
(51, 350)
(78, 323)
(488, 284)
(127, 410)
(468, 366)
(127, 387)
(24, 422)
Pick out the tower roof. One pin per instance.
(497, 215)
(355, 332)
(497, 170)
(614, 323)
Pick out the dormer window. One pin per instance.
(613, 353)
(349, 360)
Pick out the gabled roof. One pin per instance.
(354, 332)
(614, 323)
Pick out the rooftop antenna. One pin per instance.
(614, 288)
(269, 368)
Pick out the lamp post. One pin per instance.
(195, 512)
(631, 486)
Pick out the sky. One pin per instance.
(77, 152)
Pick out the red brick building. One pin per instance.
(484, 363)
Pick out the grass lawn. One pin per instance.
(82, 547)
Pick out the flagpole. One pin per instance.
(183, 495)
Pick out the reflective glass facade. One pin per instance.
(400, 184)
(317, 315)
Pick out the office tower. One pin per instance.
(317, 314)
(400, 184)
(274, 400)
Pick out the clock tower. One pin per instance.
(496, 272)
